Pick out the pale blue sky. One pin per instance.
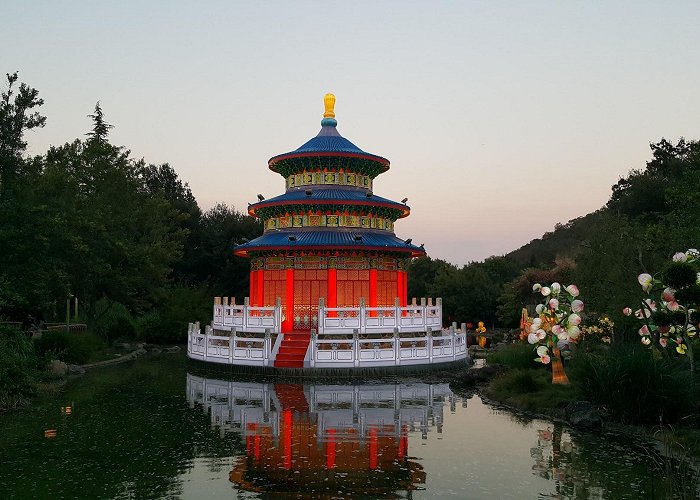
(500, 118)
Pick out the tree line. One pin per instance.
(652, 213)
(87, 219)
(128, 238)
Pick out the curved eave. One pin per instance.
(404, 209)
(305, 240)
(342, 154)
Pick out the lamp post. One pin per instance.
(70, 296)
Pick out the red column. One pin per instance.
(332, 291)
(405, 288)
(399, 285)
(253, 286)
(330, 449)
(373, 448)
(261, 289)
(288, 325)
(287, 438)
(373, 290)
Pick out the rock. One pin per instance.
(477, 376)
(174, 348)
(156, 350)
(76, 370)
(58, 368)
(583, 414)
(139, 352)
(122, 345)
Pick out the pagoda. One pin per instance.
(329, 236)
(328, 284)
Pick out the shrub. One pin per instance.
(168, 323)
(634, 386)
(513, 356)
(18, 367)
(114, 322)
(71, 347)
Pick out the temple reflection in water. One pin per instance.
(316, 439)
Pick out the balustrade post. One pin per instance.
(452, 339)
(321, 314)
(278, 314)
(429, 343)
(356, 342)
(246, 305)
(423, 312)
(397, 347)
(217, 303)
(206, 341)
(397, 311)
(438, 303)
(266, 346)
(189, 338)
(312, 361)
(363, 311)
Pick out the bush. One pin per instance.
(114, 322)
(71, 347)
(168, 324)
(518, 355)
(531, 389)
(19, 367)
(635, 387)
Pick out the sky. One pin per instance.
(500, 119)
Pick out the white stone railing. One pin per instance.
(377, 350)
(414, 318)
(409, 319)
(246, 318)
(347, 337)
(249, 350)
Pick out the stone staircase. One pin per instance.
(292, 350)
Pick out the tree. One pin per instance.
(16, 117)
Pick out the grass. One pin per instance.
(518, 356)
(531, 390)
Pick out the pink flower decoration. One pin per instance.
(646, 281)
(663, 341)
(680, 257)
(577, 306)
(644, 330)
(646, 340)
(553, 304)
(669, 294)
(543, 354)
(574, 319)
(627, 311)
(673, 306)
(572, 290)
(557, 330)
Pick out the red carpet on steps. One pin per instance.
(292, 397)
(292, 350)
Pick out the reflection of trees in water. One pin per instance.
(102, 451)
(631, 470)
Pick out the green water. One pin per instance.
(163, 428)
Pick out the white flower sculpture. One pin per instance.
(558, 319)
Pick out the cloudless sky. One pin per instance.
(500, 119)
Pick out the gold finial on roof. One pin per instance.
(329, 102)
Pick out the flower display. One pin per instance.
(601, 331)
(669, 313)
(557, 323)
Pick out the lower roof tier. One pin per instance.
(324, 196)
(339, 239)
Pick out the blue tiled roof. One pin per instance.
(328, 194)
(329, 140)
(337, 238)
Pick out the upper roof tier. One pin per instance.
(327, 144)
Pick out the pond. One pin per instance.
(164, 427)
